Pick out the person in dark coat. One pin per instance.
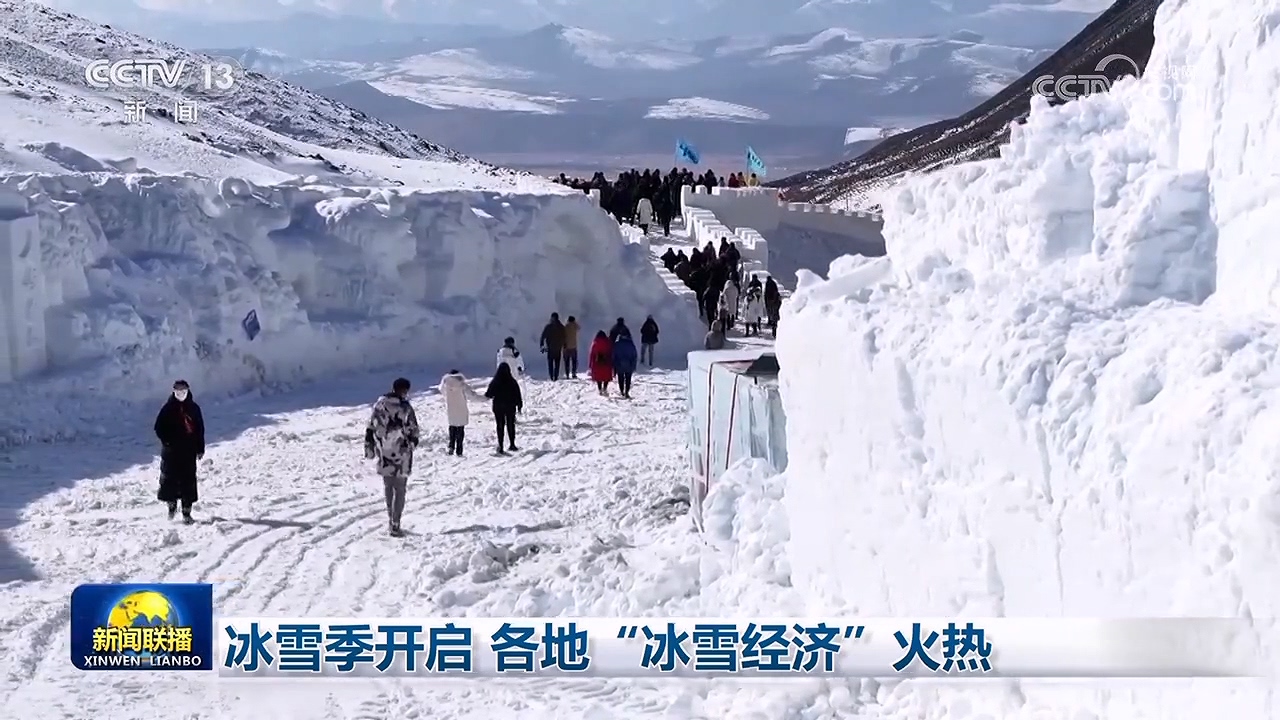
(664, 208)
(683, 269)
(618, 330)
(504, 391)
(180, 428)
(648, 338)
(624, 363)
(552, 343)
(772, 304)
(711, 303)
(669, 260)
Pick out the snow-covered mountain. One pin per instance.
(261, 129)
(1125, 29)
(577, 91)
(599, 79)
(300, 22)
(142, 242)
(836, 75)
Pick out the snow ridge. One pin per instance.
(121, 284)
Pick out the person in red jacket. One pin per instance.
(600, 362)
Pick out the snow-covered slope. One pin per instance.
(130, 253)
(1057, 394)
(262, 127)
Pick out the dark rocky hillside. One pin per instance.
(1126, 28)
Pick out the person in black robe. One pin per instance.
(180, 428)
(504, 391)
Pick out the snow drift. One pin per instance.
(112, 286)
(1057, 395)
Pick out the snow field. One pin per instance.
(293, 522)
(122, 284)
(1056, 394)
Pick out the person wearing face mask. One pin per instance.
(180, 428)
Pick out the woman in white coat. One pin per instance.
(644, 214)
(753, 314)
(730, 299)
(456, 392)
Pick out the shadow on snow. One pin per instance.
(30, 472)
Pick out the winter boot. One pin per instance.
(173, 510)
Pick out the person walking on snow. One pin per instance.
(729, 298)
(600, 362)
(510, 356)
(754, 312)
(571, 329)
(648, 338)
(644, 214)
(390, 438)
(507, 399)
(180, 429)
(624, 364)
(552, 343)
(618, 330)
(724, 313)
(456, 393)
(772, 304)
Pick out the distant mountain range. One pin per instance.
(310, 27)
(1126, 28)
(537, 83)
(563, 89)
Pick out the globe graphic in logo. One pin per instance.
(146, 608)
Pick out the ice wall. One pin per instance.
(779, 237)
(1057, 395)
(112, 286)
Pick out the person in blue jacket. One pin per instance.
(625, 359)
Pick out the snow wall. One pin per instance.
(1059, 393)
(113, 286)
(782, 237)
(732, 416)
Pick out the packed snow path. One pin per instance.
(292, 522)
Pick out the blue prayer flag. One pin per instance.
(754, 163)
(686, 153)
